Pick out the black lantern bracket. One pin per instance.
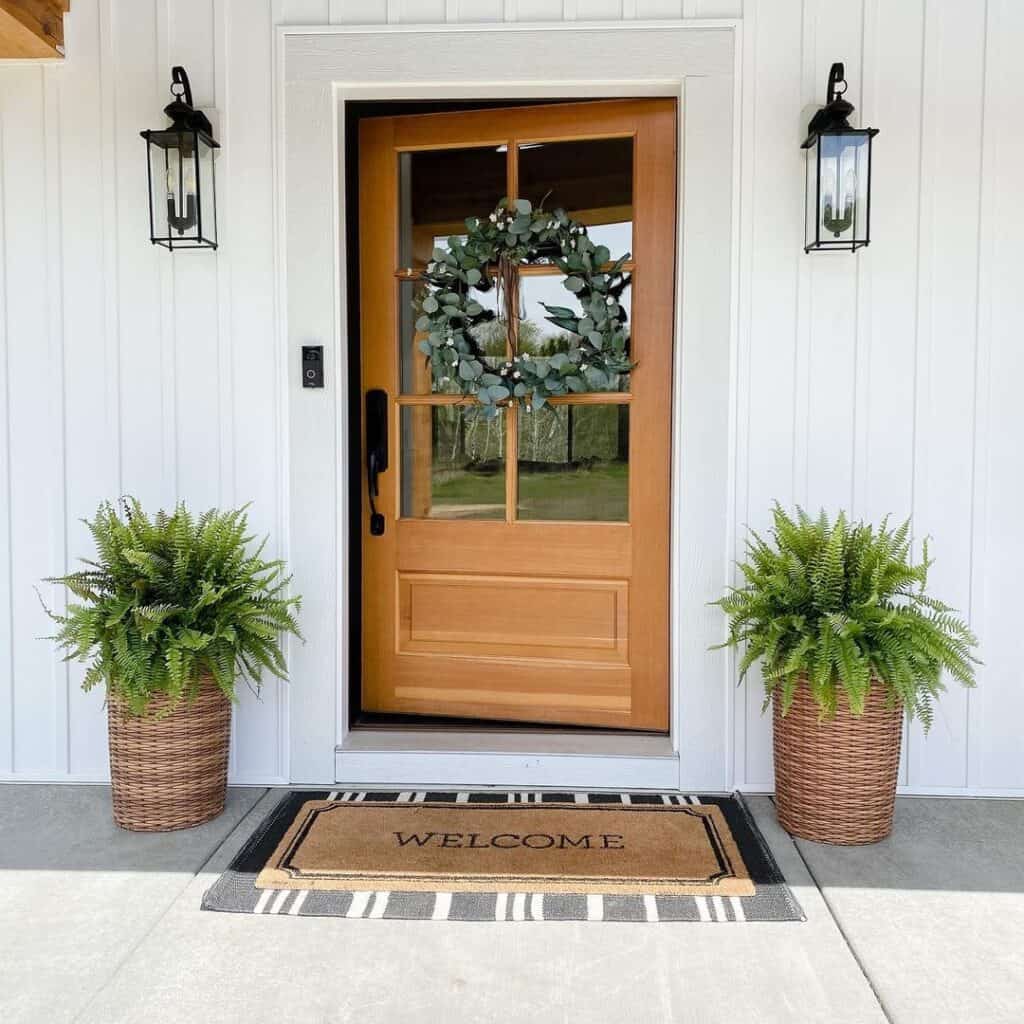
(182, 112)
(835, 115)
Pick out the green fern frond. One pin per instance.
(843, 607)
(171, 598)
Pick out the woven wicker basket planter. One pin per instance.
(835, 781)
(169, 773)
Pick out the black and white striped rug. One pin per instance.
(235, 891)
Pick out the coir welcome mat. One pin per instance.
(507, 856)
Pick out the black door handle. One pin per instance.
(376, 452)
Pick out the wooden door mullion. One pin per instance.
(511, 410)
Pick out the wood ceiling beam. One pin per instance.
(32, 28)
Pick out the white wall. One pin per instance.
(883, 382)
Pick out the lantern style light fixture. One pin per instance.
(838, 212)
(180, 158)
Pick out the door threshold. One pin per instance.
(431, 758)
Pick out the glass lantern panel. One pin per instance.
(182, 202)
(841, 187)
(206, 158)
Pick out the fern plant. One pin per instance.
(841, 606)
(171, 599)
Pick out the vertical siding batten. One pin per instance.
(197, 365)
(6, 490)
(742, 373)
(943, 460)
(30, 419)
(828, 439)
(55, 458)
(251, 375)
(146, 375)
(777, 251)
(90, 404)
(995, 708)
(889, 273)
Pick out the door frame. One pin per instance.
(318, 70)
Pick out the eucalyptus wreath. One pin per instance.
(597, 337)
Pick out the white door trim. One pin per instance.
(318, 70)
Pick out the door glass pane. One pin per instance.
(417, 378)
(574, 463)
(453, 463)
(538, 336)
(438, 189)
(591, 179)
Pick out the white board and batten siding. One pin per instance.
(883, 383)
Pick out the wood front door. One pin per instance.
(523, 569)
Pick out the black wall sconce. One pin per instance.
(180, 160)
(838, 212)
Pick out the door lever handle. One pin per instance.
(376, 453)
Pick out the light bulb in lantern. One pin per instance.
(190, 177)
(849, 190)
(828, 188)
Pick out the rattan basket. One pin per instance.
(835, 781)
(171, 772)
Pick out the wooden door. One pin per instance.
(523, 569)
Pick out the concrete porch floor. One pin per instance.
(104, 926)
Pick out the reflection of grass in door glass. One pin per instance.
(598, 493)
(574, 464)
(469, 493)
(467, 473)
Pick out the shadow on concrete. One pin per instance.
(943, 844)
(71, 828)
(937, 844)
